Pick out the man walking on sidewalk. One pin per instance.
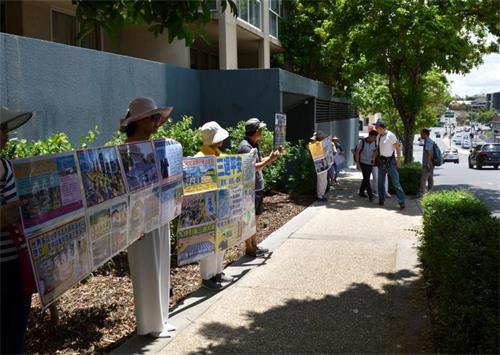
(427, 165)
(387, 147)
(364, 162)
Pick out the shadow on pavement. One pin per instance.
(361, 319)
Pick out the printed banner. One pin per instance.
(279, 130)
(169, 157)
(228, 233)
(195, 243)
(248, 224)
(144, 214)
(50, 188)
(198, 209)
(229, 171)
(139, 163)
(101, 175)
(199, 174)
(60, 259)
(317, 150)
(170, 201)
(107, 230)
(230, 202)
(248, 161)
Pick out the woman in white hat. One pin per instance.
(15, 300)
(149, 257)
(211, 267)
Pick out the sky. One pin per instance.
(481, 80)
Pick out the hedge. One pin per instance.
(409, 177)
(460, 256)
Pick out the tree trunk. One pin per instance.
(409, 134)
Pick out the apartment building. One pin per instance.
(246, 41)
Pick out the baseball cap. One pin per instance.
(253, 125)
(380, 124)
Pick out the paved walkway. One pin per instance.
(342, 278)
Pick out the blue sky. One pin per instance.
(481, 80)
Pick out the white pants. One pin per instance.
(149, 261)
(321, 183)
(212, 265)
(374, 182)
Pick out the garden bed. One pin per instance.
(98, 314)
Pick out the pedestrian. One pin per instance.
(338, 160)
(149, 257)
(253, 133)
(387, 148)
(364, 162)
(15, 299)
(374, 181)
(212, 267)
(427, 176)
(322, 176)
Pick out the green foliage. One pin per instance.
(183, 132)
(409, 177)
(460, 255)
(301, 175)
(180, 19)
(237, 134)
(486, 116)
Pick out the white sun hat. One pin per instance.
(212, 133)
(143, 107)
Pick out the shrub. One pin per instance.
(409, 177)
(301, 178)
(460, 254)
(183, 132)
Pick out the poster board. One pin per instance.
(322, 155)
(199, 174)
(279, 130)
(169, 158)
(229, 171)
(138, 161)
(49, 188)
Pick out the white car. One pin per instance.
(450, 154)
(466, 144)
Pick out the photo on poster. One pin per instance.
(101, 175)
(169, 158)
(170, 201)
(195, 243)
(228, 233)
(136, 217)
(50, 189)
(198, 209)
(101, 251)
(229, 170)
(152, 209)
(199, 174)
(119, 215)
(99, 222)
(248, 161)
(223, 204)
(321, 165)
(248, 224)
(279, 129)
(248, 198)
(139, 164)
(60, 258)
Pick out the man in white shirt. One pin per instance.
(387, 147)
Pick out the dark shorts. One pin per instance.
(259, 205)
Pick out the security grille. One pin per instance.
(333, 111)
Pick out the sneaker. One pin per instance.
(222, 277)
(322, 199)
(388, 195)
(262, 251)
(402, 205)
(211, 284)
(362, 194)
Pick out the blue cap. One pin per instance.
(380, 124)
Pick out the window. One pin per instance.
(65, 28)
(275, 13)
(250, 11)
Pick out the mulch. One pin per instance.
(97, 315)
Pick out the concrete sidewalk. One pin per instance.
(342, 278)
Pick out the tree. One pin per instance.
(402, 40)
(486, 116)
(181, 19)
(371, 95)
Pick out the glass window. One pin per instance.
(492, 148)
(243, 10)
(250, 11)
(275, 7)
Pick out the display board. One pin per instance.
(80, 209)
(199, 174)
(279, 130)
(322, 154)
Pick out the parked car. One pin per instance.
(485, 155)
(450, 154)
(466, 144)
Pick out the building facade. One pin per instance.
(493, 101)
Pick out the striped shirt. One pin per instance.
(8, 193)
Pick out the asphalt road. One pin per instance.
(484, 183)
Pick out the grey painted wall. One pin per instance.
(73, 89)
(347, 131)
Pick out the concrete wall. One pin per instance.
(73, 89)
(230, 96)
(347, 131)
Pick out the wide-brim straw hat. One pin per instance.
(141, 108)
(319, 135)
(213, 133)
(11, 120)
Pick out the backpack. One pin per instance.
(356, 147)
(437, 157)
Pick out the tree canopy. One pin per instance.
(181, 19)
(402, 40)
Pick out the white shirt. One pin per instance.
(386, 143)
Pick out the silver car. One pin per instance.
(450, 154)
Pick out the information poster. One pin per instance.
(107, 230)
(199, 174)
(169, 158)
(328, 149)
(60, 259)
(248, 161)
(279, 130)
(195, 243)
(50, 189)
(317, 150)
(228, 233)
(248, 224)
(229, 171)
(139, 164)
(144, 213)
(101, 175)
(170, 201)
